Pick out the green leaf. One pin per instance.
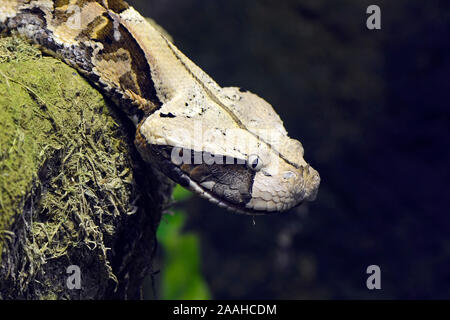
(181, 276)
(180, 193)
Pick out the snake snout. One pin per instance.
(311, 183)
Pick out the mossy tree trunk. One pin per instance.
(73, 190)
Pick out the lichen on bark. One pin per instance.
(73, 190)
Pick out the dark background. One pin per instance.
(372, 111)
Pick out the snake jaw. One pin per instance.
(276, 187)
(208, 195)
(264, 194)
(311, 184)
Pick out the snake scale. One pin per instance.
(226, 144)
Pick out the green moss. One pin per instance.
(18, 159)
(60, 146)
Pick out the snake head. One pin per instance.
(232, 150)
(283, 179)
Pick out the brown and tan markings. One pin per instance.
(121, 61)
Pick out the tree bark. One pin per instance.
(73, 190)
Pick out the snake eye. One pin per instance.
(254, 162)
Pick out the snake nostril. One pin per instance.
(266, 173)
(288, 175)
